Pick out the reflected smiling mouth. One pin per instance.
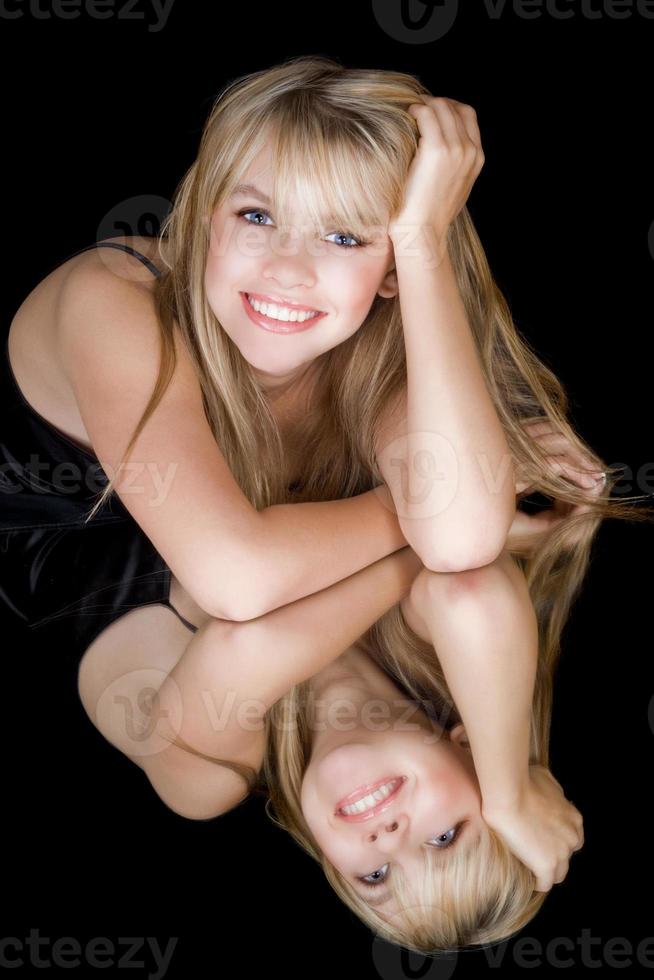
(373, 811)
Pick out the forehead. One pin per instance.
(323, 186)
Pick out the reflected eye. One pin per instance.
(449, 840)
(379, 881)
(442, 845)
(357, 242)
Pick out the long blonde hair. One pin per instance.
(343, 140)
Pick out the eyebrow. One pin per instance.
(386, 897)
(250, 190)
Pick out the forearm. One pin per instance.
(484, 631)
(306, 547)
(460, 492)
(303, 637)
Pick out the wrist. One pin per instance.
(424, 242)
(504, 799)
(385, 502)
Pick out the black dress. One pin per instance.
(54, 569)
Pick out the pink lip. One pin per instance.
(278, 326)
(363, 791)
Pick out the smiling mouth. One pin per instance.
(289, 304)
(298, 322)
(373, 810)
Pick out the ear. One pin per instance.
(458, 735)
(389, 286)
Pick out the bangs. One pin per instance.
(333, 169)
(442, 884)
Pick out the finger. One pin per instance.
(453, 130)
(469, 119)
(549, 436)
(469, 134)
(572, 839)
(561, 465)
(565, 467)
(539, 426)
(556, 440)
(562, 869)
(429, 123)
(543, 883)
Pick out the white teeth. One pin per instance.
(281, 312)
(372, 799)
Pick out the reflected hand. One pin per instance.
(543, 829)
(528, 530)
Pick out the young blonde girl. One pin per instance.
(415, 377)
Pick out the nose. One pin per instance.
(387, 833)
(289, 263)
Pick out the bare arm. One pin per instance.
(251, 665)
(234, 561)
(451, 473)
(307, 547)
(483, 627)
(293, 643)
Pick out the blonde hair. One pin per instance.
(342, 139)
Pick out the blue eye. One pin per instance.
(345, 234)
(358, 243)
(252, 211)
(380, 881)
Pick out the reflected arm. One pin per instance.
(483, 627)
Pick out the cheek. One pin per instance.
(354, 286)
(225, 255)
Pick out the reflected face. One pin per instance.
(436, 803)
(321, 269)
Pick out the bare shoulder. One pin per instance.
(109, 336)
(137, 655)
(106, 304)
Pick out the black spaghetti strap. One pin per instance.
(188, 625)
(123, 248)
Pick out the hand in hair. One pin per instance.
(542, 828)
(527, 531)
(447, 161)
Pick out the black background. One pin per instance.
(99, 111)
